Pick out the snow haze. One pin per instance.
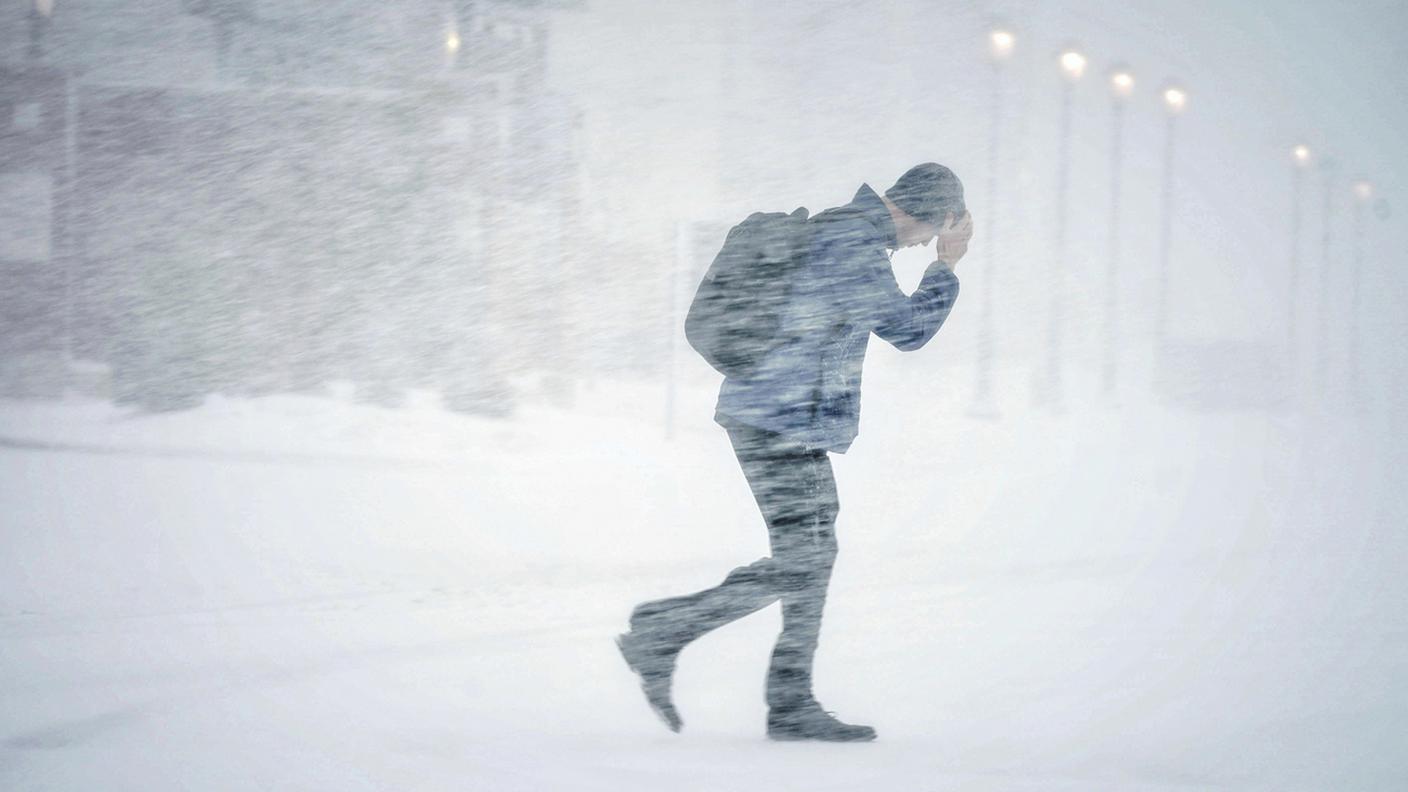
(346, 408)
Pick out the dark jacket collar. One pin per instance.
(868, 202)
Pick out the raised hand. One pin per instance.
(953, 238)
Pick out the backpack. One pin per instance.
(736, 315)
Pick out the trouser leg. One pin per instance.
(796, 492)
(804, 545)
(789, 680)
(678, 620)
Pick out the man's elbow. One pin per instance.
(916, 332)
(908, 342)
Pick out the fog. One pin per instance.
(346, 407)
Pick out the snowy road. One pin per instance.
(1094, 601)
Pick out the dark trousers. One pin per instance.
(796, 491)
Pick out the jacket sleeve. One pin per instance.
(869, 295)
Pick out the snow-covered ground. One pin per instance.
(304, 593)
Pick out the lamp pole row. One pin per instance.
(1049, 390)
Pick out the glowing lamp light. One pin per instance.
(1000, 44)
(1121, 83)
(1175, 99)
(1301, 154)
(1072, 64)
(452, 42)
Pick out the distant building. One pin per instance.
(254, 196)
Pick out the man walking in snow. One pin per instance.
(800, 403)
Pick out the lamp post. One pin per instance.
(1363, 194)
(1328, 171)
(1175, 99)
(40, 17)
(1300, 160)
(1072, 63)
(1121, 88)
(1001, 42)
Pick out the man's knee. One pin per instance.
(798, 572)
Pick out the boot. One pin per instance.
(654, 662)
(809, 721)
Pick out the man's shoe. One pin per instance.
(654, 663)
(811, 722)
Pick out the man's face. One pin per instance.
(951, 219)
(923, 234)
(920, 232)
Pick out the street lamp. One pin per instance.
(1175, 99)
(1121, 88)
(451, 43)
(1001, 43)
(1121, 84)
(40, 17)
(1072, 65)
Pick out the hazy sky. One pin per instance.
(710, 110)
(1332, 74)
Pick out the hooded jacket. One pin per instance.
(808, 387)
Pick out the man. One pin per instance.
(801, 402)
